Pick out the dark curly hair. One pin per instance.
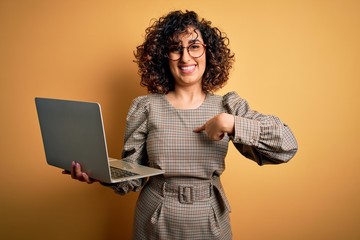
(153, 62)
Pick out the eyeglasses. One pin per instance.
(195, 50)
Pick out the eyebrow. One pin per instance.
(191, 41)
(194, 40)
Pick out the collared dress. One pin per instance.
(188, 201)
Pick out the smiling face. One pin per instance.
(187, 70)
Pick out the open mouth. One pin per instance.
(187, 69)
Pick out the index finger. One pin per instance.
(199, 129)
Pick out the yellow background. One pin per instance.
(296, 59)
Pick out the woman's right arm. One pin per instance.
(134, 148)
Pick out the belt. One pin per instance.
(185, 193)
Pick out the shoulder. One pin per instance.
(225, 99)
(230, 97)
(234, 104)
(139, 106)
(142, 103)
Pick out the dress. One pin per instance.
(188, 201)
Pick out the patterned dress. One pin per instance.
(188, 201)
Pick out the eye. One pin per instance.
(195, 46)
(175, 49)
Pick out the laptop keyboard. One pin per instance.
(120, 173)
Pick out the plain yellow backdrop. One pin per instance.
(297, 59)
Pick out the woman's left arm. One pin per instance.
(262, 138)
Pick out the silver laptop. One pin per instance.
(74, 131)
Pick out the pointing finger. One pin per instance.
(199, 129)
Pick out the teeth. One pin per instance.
(187, 68)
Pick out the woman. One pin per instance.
(184, 129)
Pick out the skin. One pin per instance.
(188, 72)
(76, 173)
(188, 94)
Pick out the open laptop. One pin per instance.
(74, 131)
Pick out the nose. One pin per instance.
(185, 56)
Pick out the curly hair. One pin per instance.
(153, 62)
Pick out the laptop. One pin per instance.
(74, 131)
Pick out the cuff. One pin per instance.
(247, 131)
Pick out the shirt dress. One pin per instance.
(188, 201)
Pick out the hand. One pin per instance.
(76, 173)
(217, 126)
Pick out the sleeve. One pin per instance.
(134, 143)
(262, 138)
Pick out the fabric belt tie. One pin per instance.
(185, 193)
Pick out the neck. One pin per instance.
(186, 98)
